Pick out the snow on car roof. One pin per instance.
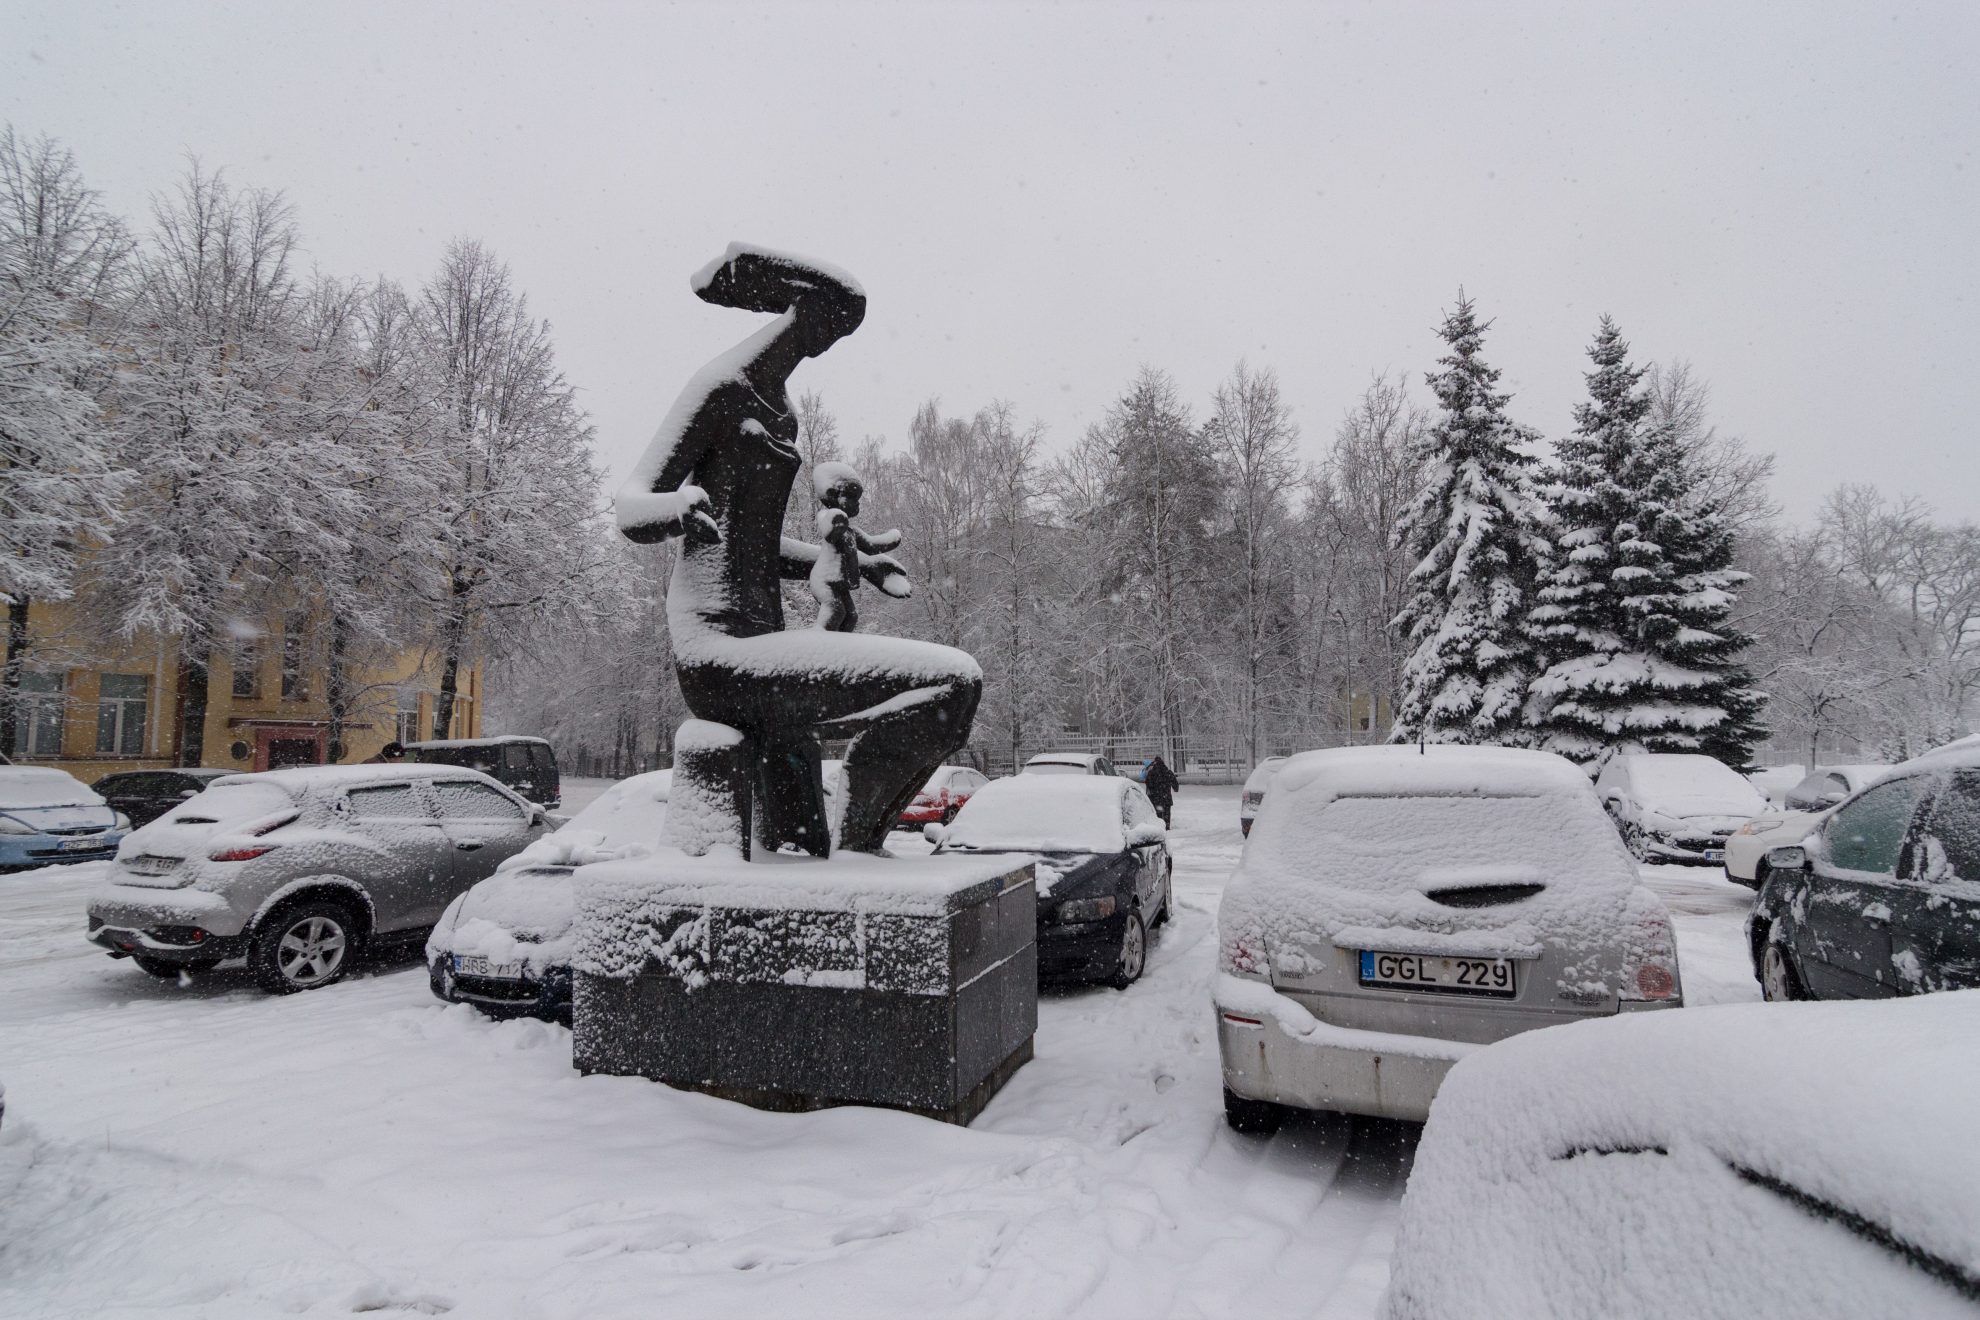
(1064, 758)
(1048, 813)
(1392, 771)
(1649, 1164)
(296, 779)
(439, 743)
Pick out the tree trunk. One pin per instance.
(450, 678)
(337, 686)
(10, 678)
(195, 676)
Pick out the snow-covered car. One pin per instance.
(526, 765)
(1740, 1161)
(1255, 785)
(943, 795)
(145, 795)
(299, 870)
(1397, 908)
(1802, 808)
(49, 817)
(1775, 780)
(1103, 873)
(1069, 763)
(1884, 898)
(1677, 806)
(505, 945)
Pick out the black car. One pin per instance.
(526, 765)
(1884, 899)
(1103, 870)
(145, 795)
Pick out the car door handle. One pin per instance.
(469, 845)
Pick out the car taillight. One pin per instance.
(1253, 799)
(1650, 966)
(1242, 958)
(241, 854)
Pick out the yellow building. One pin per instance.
(93, 712)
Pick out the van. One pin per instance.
(526, 765)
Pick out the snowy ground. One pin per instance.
(204, 1150)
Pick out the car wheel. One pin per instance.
(1133, 957)
(304, 946)
(949, 815)
(1259, 1118)
(169, 971)
(1778, 983)
(1633, 840)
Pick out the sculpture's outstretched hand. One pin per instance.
(652, 516)
(885, 573)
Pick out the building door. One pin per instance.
(276, 749)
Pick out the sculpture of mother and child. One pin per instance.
(718, 477)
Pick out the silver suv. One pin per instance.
(298, 870)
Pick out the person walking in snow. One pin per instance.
(1162, 784)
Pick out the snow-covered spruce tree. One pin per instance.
(1476, 532)
(1634, 611)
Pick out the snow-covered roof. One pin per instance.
(1694, 1164)
(1962, 753)
(1432, 770)
(1043, 813)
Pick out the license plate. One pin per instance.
(477, 966)
(1715, 854)
(151, 865)
(1417, 971)
(80, 845)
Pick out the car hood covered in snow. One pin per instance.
(1735, 1161)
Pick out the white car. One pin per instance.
(1398, 908)
(1729, 1163)
(1677, 806)
(1776, 780)
(1804, 806)
(1255, 785)
(505, 945)
(1069, 763)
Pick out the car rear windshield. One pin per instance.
(1394, 843)
(227, 803)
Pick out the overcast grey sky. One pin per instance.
(1039, 198)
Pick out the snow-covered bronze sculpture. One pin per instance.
(718, 476)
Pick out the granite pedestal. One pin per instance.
(798, 983)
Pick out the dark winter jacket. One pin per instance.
(1161, 782)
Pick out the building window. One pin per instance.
(295, 676)
(38, 727)
(408, 726)
(120, 714)
(247, 668)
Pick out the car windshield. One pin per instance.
(1010, 815)
(51, 789)
(1693, 784)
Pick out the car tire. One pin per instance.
(304, 945)
(1132, 959)
(1778, 981)
(1633, 840)
(1761, 874)
(1254, 1118)
(169, 971)
(949, 815)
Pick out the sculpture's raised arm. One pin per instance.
(819, 306)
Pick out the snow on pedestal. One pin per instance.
(796, 983)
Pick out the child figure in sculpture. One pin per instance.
(835, 575)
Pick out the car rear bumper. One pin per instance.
(190, 945)
(135, 907)
(1344, 1071)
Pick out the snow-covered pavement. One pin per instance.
(204, 1150)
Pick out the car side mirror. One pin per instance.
(1828, 800)
(1794, 857)
(538, 816)
(1146, 835)
(186, 793)
(934, 833)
